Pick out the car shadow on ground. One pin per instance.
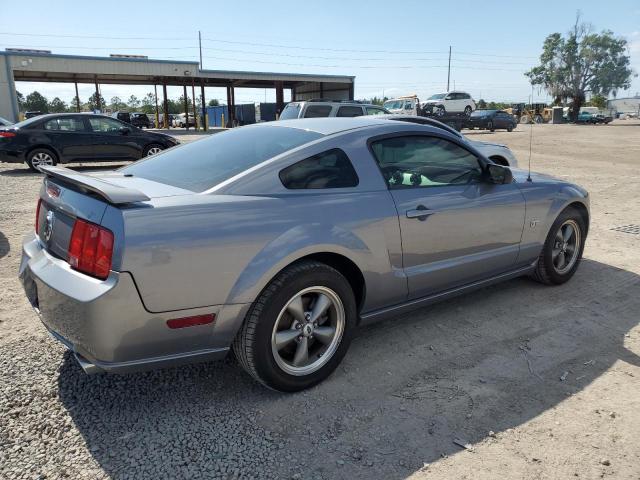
(408, 388)
(4, 245)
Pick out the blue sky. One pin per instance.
(393, 48)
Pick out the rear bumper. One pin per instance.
(11, 156)
(106, 325)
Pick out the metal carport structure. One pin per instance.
(47, 67)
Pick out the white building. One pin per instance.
(625, 105)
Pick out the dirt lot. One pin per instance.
(537, 382)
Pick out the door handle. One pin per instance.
(420, 212)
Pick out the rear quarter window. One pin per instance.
(330, 169)
(317, 111)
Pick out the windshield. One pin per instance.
(437, 96)
(202, 164)
(292, 110)
(393, 104)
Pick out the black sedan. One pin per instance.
(491, 120)
(77, 137)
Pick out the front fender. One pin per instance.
(296, 243)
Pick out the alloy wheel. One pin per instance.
(153, 151)
(308, 331)
(566, 247)
(41, 158)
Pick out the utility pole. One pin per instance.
(200, 45)
(449, 69)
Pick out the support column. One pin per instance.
(155, 90)
(205, 123)
(351, 91)
(165, 106)
(321, 89)
(228, 119)
(279, 99)
(293, 94)
(186, 106)
(193, 101)
(77, 98)
(98, 102)
(233, 106)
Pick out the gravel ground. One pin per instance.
(537, 382)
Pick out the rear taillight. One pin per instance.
(38, 216)
(7, 134)
(91, 249)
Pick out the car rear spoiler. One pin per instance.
(111, 192)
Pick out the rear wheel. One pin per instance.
(468, 110)
(510, 128)
(562, 249)
(39, 157)
(152, 149)
(299, 329)
(490, 126)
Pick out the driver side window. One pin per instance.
(421, 161)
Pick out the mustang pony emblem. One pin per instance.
(48, 227)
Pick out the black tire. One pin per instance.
(468, 110)
(151, 149)
(510, 128)
(253, 343)
(545, 271)
(38, 156)
(490, 126)
(441, 111)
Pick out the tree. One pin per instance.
(20, 99)
(133, 102)
(117, 104)
(598, 101)
(35, 101)
(57, 106)
(92, 104)
(213, 102)
(149, 103)
(75, 104)
(580, 63)
(482, 105)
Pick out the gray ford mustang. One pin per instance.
(278, 240)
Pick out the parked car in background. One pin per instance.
(441, 103)
(328, 108)
(31, 114)
(409, 105)
(122, 116)
(180, 120)
(491, 120)
(496, 152)
(586, 117)
(4, 122)
(140, 120)
(279, 239)
(77, 137)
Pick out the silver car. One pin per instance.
(278, 240)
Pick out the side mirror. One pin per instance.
(499, 174)
(125, 130)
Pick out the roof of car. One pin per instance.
(332, 125)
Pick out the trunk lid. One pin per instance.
(66, 195)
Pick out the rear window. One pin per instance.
(202, 164)
(349, 112)
(330, 169)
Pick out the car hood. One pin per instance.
(488, 144)
(521, 175)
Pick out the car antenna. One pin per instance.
(530, 138)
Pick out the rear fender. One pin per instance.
(296, 243)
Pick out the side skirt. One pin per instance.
(399, 309)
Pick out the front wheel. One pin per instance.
(440, 111)
(468, 110)
(491, 127)
(562, 249)
(299, 329)
(510, 128)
